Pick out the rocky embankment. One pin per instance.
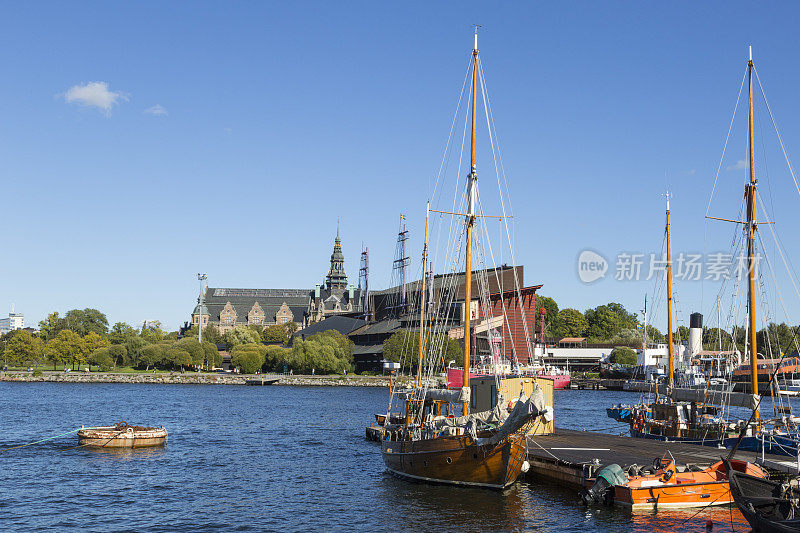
(193, 378)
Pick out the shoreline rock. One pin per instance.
(193, 378)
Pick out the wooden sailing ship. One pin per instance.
(435, 443)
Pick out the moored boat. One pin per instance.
(666, 486)
(486, 445)
(769, 506)
(122, 436)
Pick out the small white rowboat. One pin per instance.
(122, 436)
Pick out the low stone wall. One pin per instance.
(194, 379)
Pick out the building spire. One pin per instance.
(336, 278)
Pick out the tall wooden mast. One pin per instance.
(750, 195)
(472, 181)
(422, 299)
(671, 355)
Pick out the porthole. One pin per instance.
(449, 460)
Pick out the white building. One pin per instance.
(14, 321)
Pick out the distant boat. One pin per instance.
(122, 436)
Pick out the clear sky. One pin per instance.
(141, 143)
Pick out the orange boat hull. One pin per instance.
(684, 489)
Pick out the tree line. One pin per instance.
(83, 337)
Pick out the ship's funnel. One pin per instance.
(695, 334)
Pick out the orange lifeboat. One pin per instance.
(669, 488)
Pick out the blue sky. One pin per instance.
(268, 122)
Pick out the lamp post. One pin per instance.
(200, 277)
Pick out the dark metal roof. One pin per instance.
(270, 301)
(342, 324)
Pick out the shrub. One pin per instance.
(622, 355)
(248, 357)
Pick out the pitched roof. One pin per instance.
(342, 324)
(243, 300)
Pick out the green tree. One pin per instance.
(211, 334)
(121, 332)
(66, 348)
(94, 342)
(551, 316)
(195, 350)
(23, 349)
(291, 328)
(176, 357)
(102, 358)
(275, 334)
(622, 355)
(213, 359)
(403, 347)
(241, 334)
(118, 354)
(151, 355)
(569, 323)
(606, 321)
(278, 357)
(249, 357)
(50, 326)
(82, 321)
(152, 335)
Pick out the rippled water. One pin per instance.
(265, 458)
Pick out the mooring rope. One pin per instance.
(44, 440)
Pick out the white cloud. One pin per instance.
(740, 164)
(94, 94)
(227, 131)
(157, 109)
(691, 172)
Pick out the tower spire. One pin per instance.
(336, 278)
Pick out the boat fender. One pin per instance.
(525, 467)
(548, 414)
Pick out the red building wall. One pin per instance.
(514, 338)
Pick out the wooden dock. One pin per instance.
(571, 457)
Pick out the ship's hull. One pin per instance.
(456, 460)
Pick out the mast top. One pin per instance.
(751, 51)
(667, 195)
(475, 45)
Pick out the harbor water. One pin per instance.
(268, 459)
